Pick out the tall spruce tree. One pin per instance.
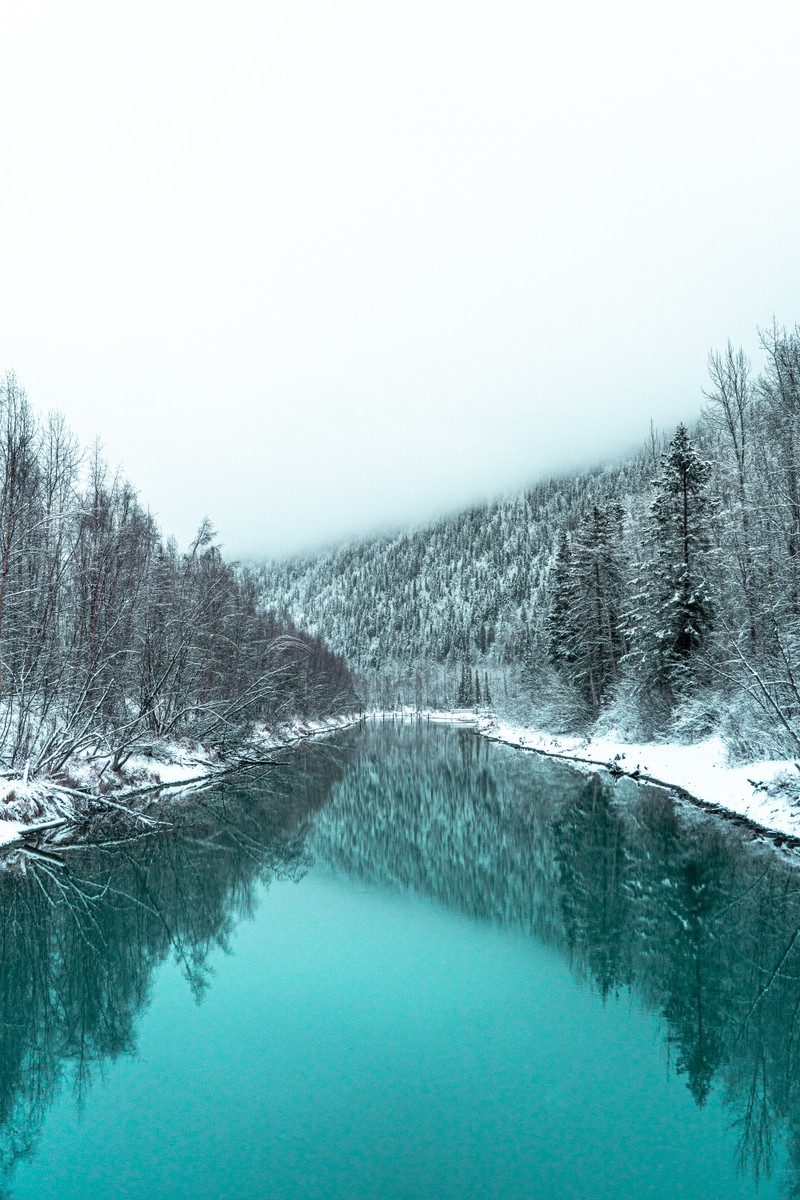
(464, 695)
(598, 642)
(673, 611)
(585, 634)
(559, 625)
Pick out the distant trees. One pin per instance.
(662, 595)
(108, 635)
(465, 696)
(417, 602)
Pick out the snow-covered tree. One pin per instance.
(671, 613)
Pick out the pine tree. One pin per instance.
(464, 693)
(584, 627)
(674, 615)
(596, 640)
(559, 625)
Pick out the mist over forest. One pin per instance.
(658, 595)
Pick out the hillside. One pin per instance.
(407, 610)
(660, 595)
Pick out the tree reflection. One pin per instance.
(697, 919)
(694, 918)
(79, 944)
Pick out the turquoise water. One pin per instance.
(415, 966)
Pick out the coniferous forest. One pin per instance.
(659, 595)
(110, 637)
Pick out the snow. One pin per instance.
(264, 741)
(10, 831)
(168, 764)
(766, 793)
(178, 763)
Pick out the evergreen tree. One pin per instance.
(595, 641)
(464, 693)
(559, 617)
(584, 625)
(674, 615)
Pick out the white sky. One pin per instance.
(312, 268)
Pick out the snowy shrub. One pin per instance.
(786, 785)
(752, 734)
(545, 700)
(698, 716)
(623, 716)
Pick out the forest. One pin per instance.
(110, 637)
(658, 596)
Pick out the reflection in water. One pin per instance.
(694, 920)
(698, 921)
(79, 946)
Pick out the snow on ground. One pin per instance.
(767, 793)
(169, 764)
(10, 831)
(298, 730)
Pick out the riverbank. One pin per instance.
(765, 794)
(86, 788)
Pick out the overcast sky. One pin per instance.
(313, 268)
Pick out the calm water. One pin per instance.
(412, 965)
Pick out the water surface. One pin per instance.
(414, 964)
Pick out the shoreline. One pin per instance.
(173, 766)
(762, 796)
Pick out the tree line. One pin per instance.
(660, 594)
(412, 612)
(110, 636)
(677, 609)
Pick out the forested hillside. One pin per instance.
(408, 611)
(660, 595)
(109, 636)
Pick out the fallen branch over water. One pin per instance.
(77, 806)
(41, 826)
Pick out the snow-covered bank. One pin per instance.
(83, 788)
(10, 831)
(765, 793)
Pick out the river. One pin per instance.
(410, 964)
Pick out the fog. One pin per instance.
(315, 269)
